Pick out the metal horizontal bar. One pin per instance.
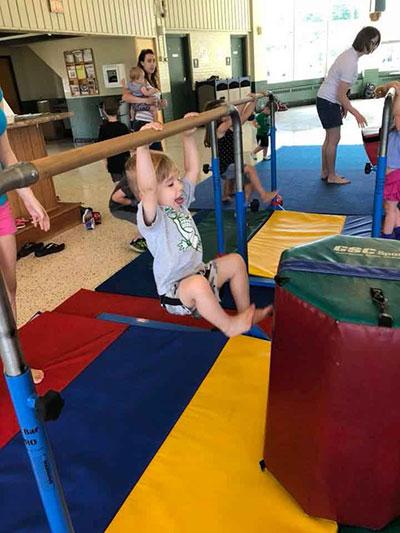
(71, 159)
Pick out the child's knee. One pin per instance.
(237, 261)
(390, 207)
(192, 286)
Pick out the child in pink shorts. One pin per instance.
(391, 193)
(7, 222)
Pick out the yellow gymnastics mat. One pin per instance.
(206, 478)
(283, 230)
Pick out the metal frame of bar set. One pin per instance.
(31, 410)
(240, 206)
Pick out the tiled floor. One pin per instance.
(92, 256)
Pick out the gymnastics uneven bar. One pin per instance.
(31, 410)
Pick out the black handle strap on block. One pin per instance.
(385, 320)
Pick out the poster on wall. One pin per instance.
(81, 72)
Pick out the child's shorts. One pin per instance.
(262, 140)
(7, 222)
(171, 303)
(229, 174)
(330, 114)
(391, 191)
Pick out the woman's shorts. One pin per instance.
(391, 191)
(7, 222)
(330, 114)
(262, 140)
(171, 303)
(230, 174)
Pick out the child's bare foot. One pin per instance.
(267, 197)
(37, 375)
(260, 314)
(241, 322)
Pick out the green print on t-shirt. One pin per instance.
(187, 228)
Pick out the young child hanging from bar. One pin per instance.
(185, 284)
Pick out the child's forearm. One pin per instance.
(248, 111)
(191, 158)
(146, 177)
(120, 198)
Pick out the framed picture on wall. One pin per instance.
(81, 72)
(71, 71)
(113, 75)
(87, 55)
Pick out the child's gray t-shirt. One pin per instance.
(174, 241)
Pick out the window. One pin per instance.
(304, 38)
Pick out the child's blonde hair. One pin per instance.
(163, 168)
(135, 73)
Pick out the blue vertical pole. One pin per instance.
(240, 196)
(273, 144)
(40, 454)
(378, 196)
(24, 398)
(217, 188)
(382, 160)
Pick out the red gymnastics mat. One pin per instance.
(62, 345)
(92, 303)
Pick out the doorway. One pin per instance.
(9, 84)
(182, 98)
(238, 54)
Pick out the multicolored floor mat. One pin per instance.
(161, 431)
(62, 345)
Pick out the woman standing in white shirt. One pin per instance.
(333, 101)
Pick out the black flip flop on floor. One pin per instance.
(29, 248)
(49, 248)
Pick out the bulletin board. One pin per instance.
(81, 72)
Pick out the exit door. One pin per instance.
(180, 75)
(238, 54)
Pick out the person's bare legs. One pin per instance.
(195, 291)
(328, 157)
(8, 267)
(266, 196)
(248, 191)
(232, 268)
(228, 190)
(391, 217)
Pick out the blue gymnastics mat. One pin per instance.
(299, 183)
(117, 414)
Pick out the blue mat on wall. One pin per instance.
(298, 170)
(118, 412)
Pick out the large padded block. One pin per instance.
(333, 423)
